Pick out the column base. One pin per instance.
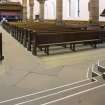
(59, 22)
(41, 20)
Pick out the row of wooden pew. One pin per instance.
(42, 36)
(1, 55)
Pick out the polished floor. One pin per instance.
(22, 73)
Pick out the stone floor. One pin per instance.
(25, 73)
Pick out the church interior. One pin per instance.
(52, 52)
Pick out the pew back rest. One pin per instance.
(61, 37)
(47, 37)
(79, 35)
(101, 34)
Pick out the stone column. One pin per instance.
(24, 3)
(31, 4)
(94, 11)
(41, 16)
(59, 11)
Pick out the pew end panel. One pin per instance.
(1, 50)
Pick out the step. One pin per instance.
(101, 62)
(99, 78)
(96, 69)
(60, 94)
(93, 72)
(43, 93)
(103, 76)
(101, 69)
(87, 97)
(89, 73)
(96, 75)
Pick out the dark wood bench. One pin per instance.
(28, 35)
(21, 30)
(41, 36)
(45, 40)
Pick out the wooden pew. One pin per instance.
(43, 35)
(46, 40)
(1, 55)
(42, 27)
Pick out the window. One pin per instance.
(74, 8)
(78, 7)
(69, 7)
